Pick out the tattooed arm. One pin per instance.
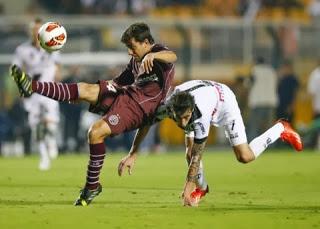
(196, 155)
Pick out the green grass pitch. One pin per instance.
(279, 190)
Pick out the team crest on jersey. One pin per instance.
(113, 119)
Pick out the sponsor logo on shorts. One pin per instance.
(268, 142)
(113, 119)
(234, 135)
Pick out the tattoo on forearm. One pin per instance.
(194, 165)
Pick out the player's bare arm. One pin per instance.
(189, 143)
(196, 155)
(194, 165)
(165, 56)
(129, 160)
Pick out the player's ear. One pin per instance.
(146, 41)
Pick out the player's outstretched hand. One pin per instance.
(188, 201)
(147, 62)
(127, 162)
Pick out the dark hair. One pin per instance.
(139, 31)
(181, 101)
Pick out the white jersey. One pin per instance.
(36, 61)
(40, 65)
(215, 105)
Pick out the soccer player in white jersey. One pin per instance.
(43, 113)
(195, 106)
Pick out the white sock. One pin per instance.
(52, 146)
(44, 156)
(201, 182)
(260, 143)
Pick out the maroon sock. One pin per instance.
(56, 91)
(97, 154)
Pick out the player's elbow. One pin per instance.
(174, 57)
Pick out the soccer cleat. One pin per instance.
(22, 80)
(197, 194)
(290, 136)
(87, 195)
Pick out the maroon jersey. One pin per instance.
(148, 90)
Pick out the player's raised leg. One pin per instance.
(96, 135)
(54, 90)
(281, 130)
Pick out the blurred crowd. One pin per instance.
(216, 8)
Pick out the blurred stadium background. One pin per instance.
(213, 39)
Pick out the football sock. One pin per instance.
(260, 143)
(201, 182)
(52, 145)
(44, 157)
(56, 91)
(97, 154)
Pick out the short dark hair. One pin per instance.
(139, 31)
(181, 102)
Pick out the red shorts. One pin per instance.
(124, 115)
(118, 109)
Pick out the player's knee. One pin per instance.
(98, 132)
(244, 159)
(243, 153)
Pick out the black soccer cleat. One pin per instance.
(23, 81)
(87, 195)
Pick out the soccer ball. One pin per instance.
(52, 36)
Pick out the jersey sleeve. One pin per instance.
(126, 77)
(17, 58)
(201, 129)
(189, 134)
(159, 47)
(201, 126)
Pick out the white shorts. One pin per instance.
(231, 119)
(41, 108)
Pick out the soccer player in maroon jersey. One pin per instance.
(125, 102)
